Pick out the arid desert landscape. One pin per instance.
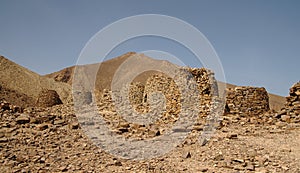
(39, 130)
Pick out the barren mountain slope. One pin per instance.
(22, 81)
(106, 71)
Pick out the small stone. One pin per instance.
(198, 128)
(63, 168)
(250, 167)
(154, 133)
(43, 126)
(117, 163)
(124, 125)
(285, 118)
(59, 122)
(42, 160)
(23, 119)
(74, 125)
(238, 160)
(219, 157)
(238, 167)
(186, 155)
(203, 141)
(4, 106)
(285, 168)
(283, 112)
(203, 169)
(16, 109)
(4, 139)
(122, 130)
(233, 136)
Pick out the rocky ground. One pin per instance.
(51, 140)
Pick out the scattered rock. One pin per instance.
(285, 118)
(204, 169)
(23, 119)
(74, 125)
(3, 139)
(117, 163)
(238, 160)
(186, 155)
(4, 106)
(250, 167)
(232, 136)
(43, 126)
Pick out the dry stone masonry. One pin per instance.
(291, 111)
(247, 101)
(48, 98)
(139, 95)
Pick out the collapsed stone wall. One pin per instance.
(291, 111)
(247, 101)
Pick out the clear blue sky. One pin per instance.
(258, 41)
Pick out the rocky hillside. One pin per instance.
(21, 86)
(105, 72)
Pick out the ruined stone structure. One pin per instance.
(291, 111)
(205, 81)
(247, 101)
(48, 98)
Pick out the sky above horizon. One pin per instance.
(257, 41)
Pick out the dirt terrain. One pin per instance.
(51, 139)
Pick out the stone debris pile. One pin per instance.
(247, 101)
